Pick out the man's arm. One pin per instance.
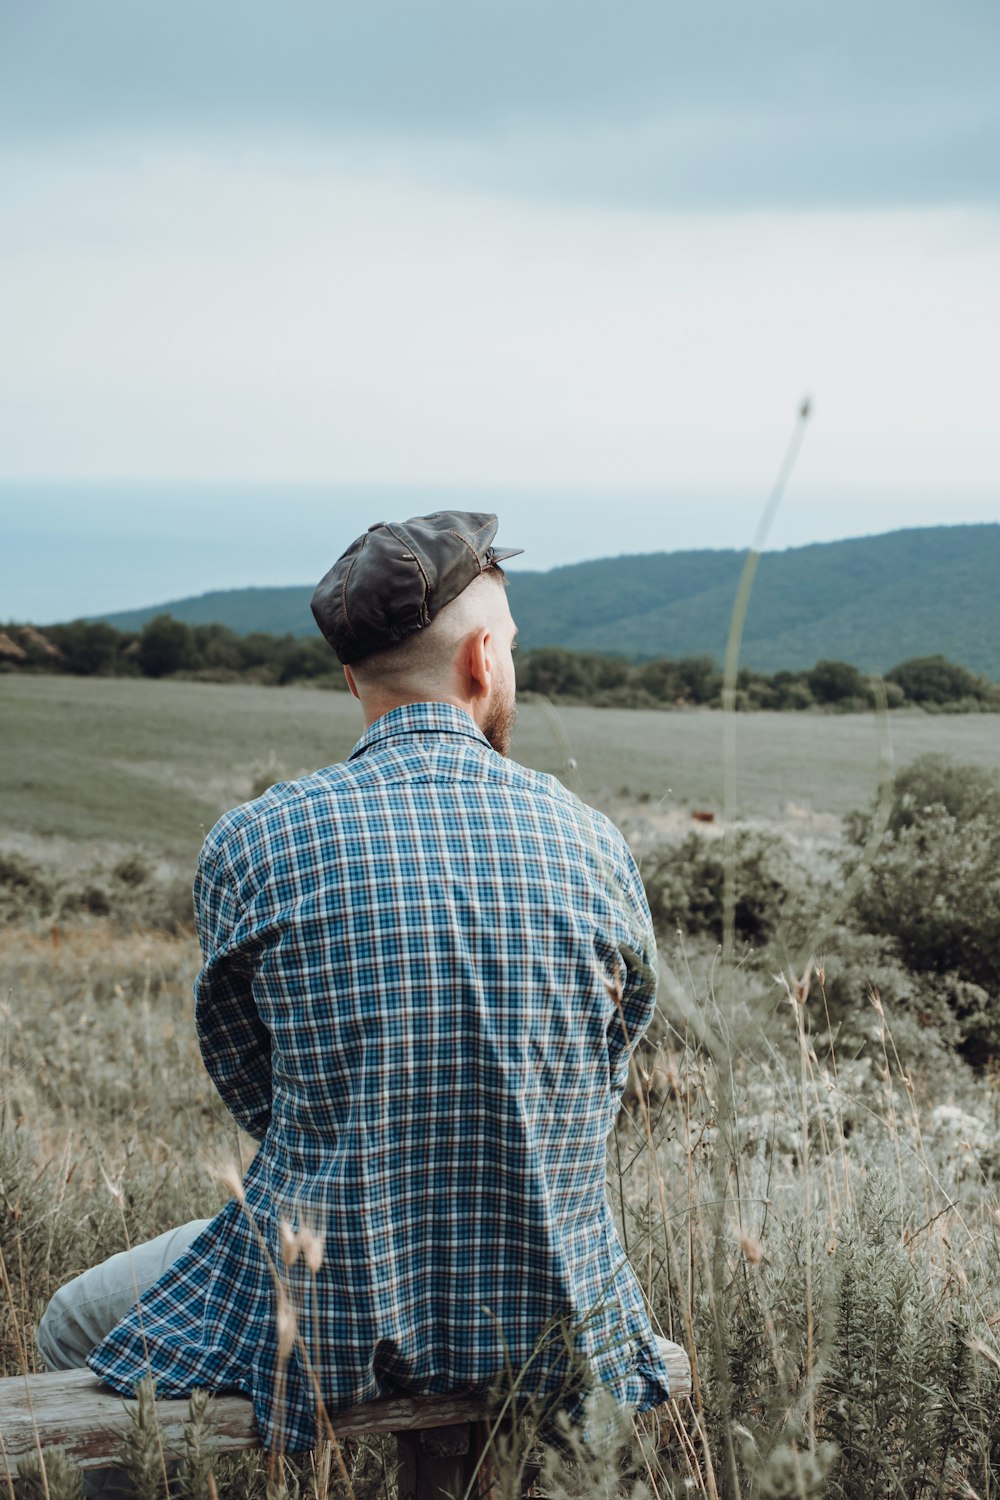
(235, 1043)
(634, 998)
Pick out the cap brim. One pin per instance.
(501, 554)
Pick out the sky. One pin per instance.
(269, 273)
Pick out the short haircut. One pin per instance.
(427, 655)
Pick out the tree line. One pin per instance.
(933, 682)
(166, 647)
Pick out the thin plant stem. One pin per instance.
(734, 641)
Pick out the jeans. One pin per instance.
(89, 1306)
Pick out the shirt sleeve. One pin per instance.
(634, 1000)
(235, 1043)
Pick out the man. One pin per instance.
(424, 974)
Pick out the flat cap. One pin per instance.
(393, 580)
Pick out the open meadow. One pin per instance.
(130, 762)
(807, 1169)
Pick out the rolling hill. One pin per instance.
(873, 601)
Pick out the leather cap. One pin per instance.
(393, 580)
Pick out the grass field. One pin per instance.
(128, 763)
(842, 1221)
(814, 1215)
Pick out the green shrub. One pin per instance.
(934, 891)
(934, 679)
(930, 1016)
(133, 892)
(935, 888)
(685, 885)
(901, 1379)
(166, 646)
(835, 682)
(85, 647)
(25, 890)
(938, 781)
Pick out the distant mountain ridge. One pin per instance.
(873, 601)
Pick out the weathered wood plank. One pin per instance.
(73, 1411)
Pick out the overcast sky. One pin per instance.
(582, 260)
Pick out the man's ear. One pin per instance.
(351, 683)
(479, 663)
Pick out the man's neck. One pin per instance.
(377, 708)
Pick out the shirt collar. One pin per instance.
(419, 718)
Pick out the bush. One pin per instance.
(934, 679)
(556, 672)
(132, 892)
(935, 887)
(835, 682)
(700, 677)
(685, 885)
(86, 648)
(25, 892)
(166, 646)
(938, 781)
(930, 1016)
(934, 890)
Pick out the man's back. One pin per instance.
(424, 973)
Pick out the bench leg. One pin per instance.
(441, 1463)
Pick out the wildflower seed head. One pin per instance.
(234, 1182)
(751, 1248)
(312, 1248)
(228, 1173)
(114, 1187)
(286, 1328)
(289, 1242)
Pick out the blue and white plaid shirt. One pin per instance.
(425, 971)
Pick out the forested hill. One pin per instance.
(872, 601)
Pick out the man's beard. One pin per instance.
(498, 726)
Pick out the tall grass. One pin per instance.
(821, 1232)
(827, 1247)
(101, 1082)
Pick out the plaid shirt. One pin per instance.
(408, 997)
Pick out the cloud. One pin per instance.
(649, 102)
(191, 316)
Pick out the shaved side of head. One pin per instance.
(425, 662)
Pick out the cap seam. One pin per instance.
(489, 525)
(420, 567)
(467, 543)
(347, 578)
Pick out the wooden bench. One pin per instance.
(442, 1440)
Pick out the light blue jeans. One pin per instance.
(89, 1306)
